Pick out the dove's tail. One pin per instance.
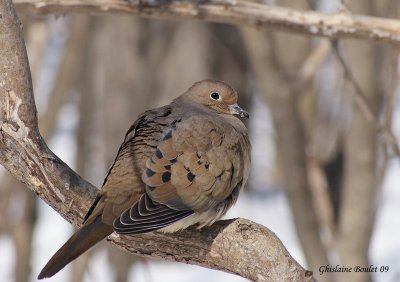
(81, 241)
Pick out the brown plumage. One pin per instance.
(179, 165)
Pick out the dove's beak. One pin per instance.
(236, 110)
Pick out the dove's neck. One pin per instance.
(184, 103)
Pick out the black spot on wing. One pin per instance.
(166, 176)
(149, 172)
(168, 135)
(190, 176)
(146, 216)
(158, 154)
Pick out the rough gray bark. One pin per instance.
(237, 246)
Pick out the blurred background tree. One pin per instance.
(312, 143)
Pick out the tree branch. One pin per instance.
(338, 25)
(236, 246)
(366, 109)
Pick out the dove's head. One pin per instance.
(216, 95)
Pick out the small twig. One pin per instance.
(312, 63)
(364, 106)
(388, 114)
(344, 7)
(323, 204)
(359, 96)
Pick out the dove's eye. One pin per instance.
(215, 95)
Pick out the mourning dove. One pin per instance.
(179, 165)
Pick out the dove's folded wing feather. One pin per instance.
(191, 170)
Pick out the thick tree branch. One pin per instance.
(237, 246)
(339, 25)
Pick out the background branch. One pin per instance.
(361, 100)
(273, 65)
(237, 246)
(338, 25)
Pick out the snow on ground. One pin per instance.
(385, 245)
